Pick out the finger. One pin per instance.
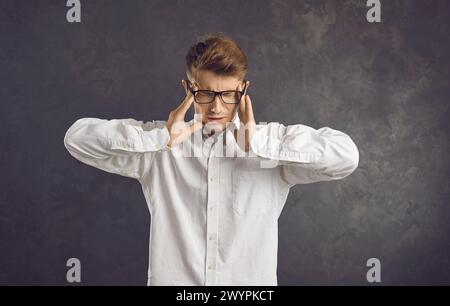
(242, 106)
(182, 130)
(249, 107)
(187, 102)
(186, 88)
(183, 83)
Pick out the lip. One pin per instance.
(215, 118)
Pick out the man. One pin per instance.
(215, 186)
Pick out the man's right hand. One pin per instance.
(178, 129)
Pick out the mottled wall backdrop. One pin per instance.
(318, 63)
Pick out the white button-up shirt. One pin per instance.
(214, 208)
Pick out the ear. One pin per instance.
(246, 84)
(184, 84)
(192, 83)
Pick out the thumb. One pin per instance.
(193, 127)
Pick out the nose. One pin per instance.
(217, 105)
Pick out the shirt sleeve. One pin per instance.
(120, 146)
(306, 155)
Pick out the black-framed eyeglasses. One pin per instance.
(207, 96)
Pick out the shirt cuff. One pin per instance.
(156, 139)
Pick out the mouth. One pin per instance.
(215, 119)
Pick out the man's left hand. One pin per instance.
(247, 125)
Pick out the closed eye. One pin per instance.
(229, 93)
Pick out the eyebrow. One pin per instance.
(209, 88)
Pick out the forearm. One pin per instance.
(100, 138)
(328, 153)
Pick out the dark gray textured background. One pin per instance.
(318, 63)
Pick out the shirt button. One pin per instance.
(211, 237)
(211, 179)
(210, 268)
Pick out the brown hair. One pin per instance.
(217, 53)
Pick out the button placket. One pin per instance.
(212, 220)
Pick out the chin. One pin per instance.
(214, 125)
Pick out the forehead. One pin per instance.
(211, 81)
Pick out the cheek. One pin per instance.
(201, 110)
